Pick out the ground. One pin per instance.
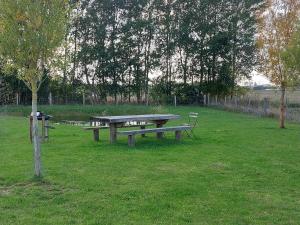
(239, 170)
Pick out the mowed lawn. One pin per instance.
(240, 170)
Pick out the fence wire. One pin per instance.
(259, 107)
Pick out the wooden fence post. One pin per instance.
(266, 106)
(175, 101)
(17, 98)
(235, 100)
(50, 98)
(249, 104)
(208, 100)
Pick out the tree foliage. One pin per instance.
(30, 31)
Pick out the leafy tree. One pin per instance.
(165, 41)
(277, 23)
(30, 32)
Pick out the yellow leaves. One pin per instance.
(2, 27)
(33, 22)
(260, 43)
(38, 21)
(20, 17)
(273, 53)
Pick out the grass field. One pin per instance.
(239, 170)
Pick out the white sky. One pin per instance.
(257, 79)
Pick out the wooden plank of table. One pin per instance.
(137, 118)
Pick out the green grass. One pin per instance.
(240, 170)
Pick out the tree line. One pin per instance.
(136, 50)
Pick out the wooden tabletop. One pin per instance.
(126, 118)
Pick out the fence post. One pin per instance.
(266, 106)
(249, 104)
(235, 101)
(83, 98)
(208, 100)
(50, 98)
(175, 101)
(17, 98)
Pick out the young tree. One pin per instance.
(30, 33)
(277, 23)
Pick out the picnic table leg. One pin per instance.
(160, 134)
(113, 132)
(142, 128)
(178, 135)
(160, 124)
(96, 135)
(131, 140)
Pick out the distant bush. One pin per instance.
(186, 94)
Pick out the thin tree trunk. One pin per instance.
(36, 140)
(65, 73)
(282, 108)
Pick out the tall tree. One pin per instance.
(30, 33)
(277, 23)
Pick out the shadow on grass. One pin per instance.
(153, 144)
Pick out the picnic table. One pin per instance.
(115, 122)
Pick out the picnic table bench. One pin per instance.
(96, 129)
(131, 133)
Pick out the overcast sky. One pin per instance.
(257, 79)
